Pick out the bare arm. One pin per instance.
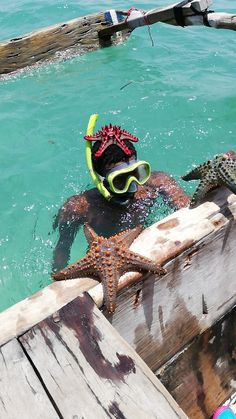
(170, 189)
(68, 221)
(61, 253)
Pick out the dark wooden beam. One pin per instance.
(202, 376)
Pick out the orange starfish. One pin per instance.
(107, 259)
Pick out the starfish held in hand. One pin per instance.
(107, 259)
(220, 171)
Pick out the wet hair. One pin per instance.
(112, 154)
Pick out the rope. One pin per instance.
(135, 18)
(204, 15)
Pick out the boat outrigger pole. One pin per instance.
(185, 13)
(103, 29)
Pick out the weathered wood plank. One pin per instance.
(94, 31)
(202, 377)
(218, 20)
(81, 34)
(91, 371)
(21, 393)
(189, 16)
(170, 237)
(25, 314)
(164, 314)
(164, 14)
(161, 242)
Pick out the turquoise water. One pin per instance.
(180, 100)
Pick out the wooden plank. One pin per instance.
(217, 20)
(21, 393)
(88, 33)
(80, 34)
(190, 15)
(22, 316)
(164, 314)
(170, 237)
(91, 371)
(222, 20)
(202, 377)
(162, 14)
(161, 242)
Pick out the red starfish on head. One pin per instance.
(111, 134)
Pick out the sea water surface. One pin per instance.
(178, 96)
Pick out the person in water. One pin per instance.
(125, 191)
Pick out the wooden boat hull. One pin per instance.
(182, 325)
(99, 30)
(76, 36)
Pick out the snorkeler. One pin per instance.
(125, 190)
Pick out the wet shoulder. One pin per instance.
(80, 205)
(149, 189)
(75, 207)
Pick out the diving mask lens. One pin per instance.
(121, 177)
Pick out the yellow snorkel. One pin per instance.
(88, 153)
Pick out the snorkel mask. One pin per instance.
(122, 178)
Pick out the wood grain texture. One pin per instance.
(166, 313)
(164, 241)
(222, 20)
(91, 371)
(21, 393)
(25, 314)
(88, 33)
(170, 237)
(190, 16)
(164, 14)
(80, 34)
(202, 377)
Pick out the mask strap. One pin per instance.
(88, 153)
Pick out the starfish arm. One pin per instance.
(128, 236)
(89, 233)
(106, 260)
(124, 147)
(93, 137)
(206, 184)
(80, 269)
(104, 144)
(127, 136)
(198, 172)
(107, 142)
(136, 262)
(110, 278)
(227, 174)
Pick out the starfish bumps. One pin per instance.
(220, 171)
(111, 134)
(107, 259)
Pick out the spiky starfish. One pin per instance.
(220, 171)
(111, 134)
(107, 259)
